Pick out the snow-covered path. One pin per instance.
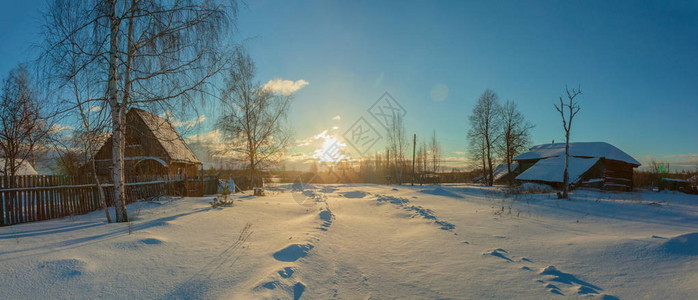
(366, 242)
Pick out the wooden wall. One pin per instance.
(617, 175)
(141, 142)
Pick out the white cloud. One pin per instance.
(56, 128)
(211, 137)
(309, 140)
(188, 124)
(94, 108)
(337, 118)
(677, 162)
(284, 86)
(684, 156)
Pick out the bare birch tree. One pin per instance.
(568, 108)
(422, 162)
(23, 128)
(91, 136)
(254, 119)
(142, 53)
(397, 145)
(435, 156)
(476, 152)
(515, 136)
(485, 130)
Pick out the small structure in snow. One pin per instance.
(501, 172)
(25, 168)
(153, 147)
(594, 163)
(675, 185)
(693, 180)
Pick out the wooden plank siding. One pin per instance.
(144, 147)
(617, 175)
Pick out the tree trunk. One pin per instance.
(117, 114)
(490, 176)
(510, 179)
(252, 180)
(484, 165)
(566, 176)
(118, 148)
(414, 145)
(100, 190)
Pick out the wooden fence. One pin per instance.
(42, 197)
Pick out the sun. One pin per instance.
(332, 150)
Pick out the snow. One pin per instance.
(532, 187)
(693, 180)
(501, 170)
(583, 149)
(360, 241)
(552, 169)
(674, 180)
(596, 180)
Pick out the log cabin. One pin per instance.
(596, 164)
(153, 147)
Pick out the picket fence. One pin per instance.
(41, 197)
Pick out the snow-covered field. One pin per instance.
(366, 242)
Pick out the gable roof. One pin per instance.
(25, 168)
(552, 169)
(167, 136)
(580, 149)
(501, 170)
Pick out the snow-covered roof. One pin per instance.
(580, 149)
(168, 137)
(552, 169)
(501, 170)
(24, 169)
(675, 180)
(693, 179)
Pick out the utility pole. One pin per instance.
(390, 171)
(414, 145)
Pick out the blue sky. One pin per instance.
(636, 62)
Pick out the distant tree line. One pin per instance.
(652, 175)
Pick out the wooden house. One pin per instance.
(153, 147)
(591, 163)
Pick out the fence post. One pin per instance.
(186, 187)
(3, 202)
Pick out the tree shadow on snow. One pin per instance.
(114, 230)
(441, 192)
(567, 278)
(52, 230)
